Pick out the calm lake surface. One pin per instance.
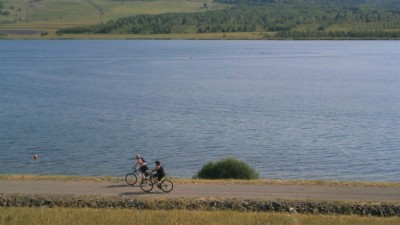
(290, 109)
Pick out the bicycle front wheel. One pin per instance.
(146, 185)
(131, 179)
(167, 185)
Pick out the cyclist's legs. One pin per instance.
(143, 171)
(159, 177)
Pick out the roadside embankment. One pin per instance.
(243, 205)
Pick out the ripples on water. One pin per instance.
(290, 109)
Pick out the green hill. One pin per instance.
(76, 11)
(244, 19)
(50, 15)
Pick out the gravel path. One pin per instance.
(240, 191)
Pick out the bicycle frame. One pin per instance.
(135, 171)
(147, 184)
(131, 178)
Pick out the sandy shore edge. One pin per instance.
(202, 181)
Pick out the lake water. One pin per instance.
(290, 109)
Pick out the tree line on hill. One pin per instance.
(281, 18)
(345, 3)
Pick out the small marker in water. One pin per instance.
(35, 156)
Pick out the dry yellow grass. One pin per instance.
(63, 216)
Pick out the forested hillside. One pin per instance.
(344, 3)
(273, 18)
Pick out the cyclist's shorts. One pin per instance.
(143, 168)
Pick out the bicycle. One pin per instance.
(131, 178)
(147, 184)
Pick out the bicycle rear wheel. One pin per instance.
(146, 185)
(131, 179)
(166, 185)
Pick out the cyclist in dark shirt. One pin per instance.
(160, 172)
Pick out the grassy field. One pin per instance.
(85, 216)
(49, 15)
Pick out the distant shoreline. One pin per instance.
(35, 34)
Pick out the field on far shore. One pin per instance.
(198, 19)
(30, 19)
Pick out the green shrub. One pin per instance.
(228, 168)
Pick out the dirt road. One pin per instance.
(240, 191)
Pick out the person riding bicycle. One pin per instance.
(143, 166)
(160, 172)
